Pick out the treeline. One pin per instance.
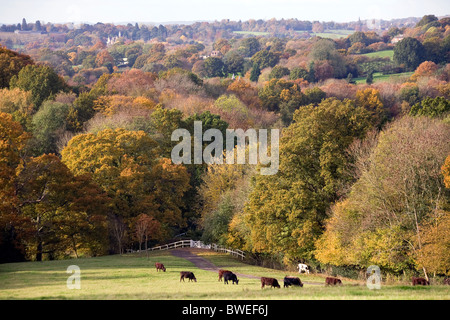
(197, 30)
(86, 55)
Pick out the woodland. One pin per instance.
(87, 113)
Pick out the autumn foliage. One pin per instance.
(364, 174)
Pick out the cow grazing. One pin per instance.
(302, 268)
(330, 281)
(160, 266)
(292, 281)
(269, 282)
(188, 275)
(420, 282)
(221, 272)
(230, 276)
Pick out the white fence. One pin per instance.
(201, 245)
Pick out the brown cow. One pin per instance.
(160, 266)
(332, 281)
(269, 282)
(187, 274)
(420, 281)
(221, 272)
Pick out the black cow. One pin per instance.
(230, 276)
(292, 281)
(188, 275)
(221, 273)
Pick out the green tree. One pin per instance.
(48, 124)
(325, 50)
(163, 123)
(426, 20)
(369, 78)
(214, 67)
(255, 72)
(409, 52)
(41, 80)
(431, 107)
(278, 72)
(234, 62)
(249, 46)
(286, 212)
(215, 225)
(298, 72)
(265, 58)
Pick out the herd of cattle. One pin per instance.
(272, 282)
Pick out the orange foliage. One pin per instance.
(426, 68)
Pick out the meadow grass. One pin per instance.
(380, 77)
(381, 54)
(333, 34)
(125, 277)
(253, 33)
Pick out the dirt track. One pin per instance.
(204, 264)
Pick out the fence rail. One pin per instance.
(199, 244)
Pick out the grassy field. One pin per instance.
(380, 77)
(333, 34)
(134, 277)
(253, 33)
(381, 54)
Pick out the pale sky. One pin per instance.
(117, 11)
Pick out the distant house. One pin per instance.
(397, 38)
(216, 53)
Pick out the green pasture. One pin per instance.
(380, 77)
(333, 34)
(133, 276)
(381, 54)
(253, 33)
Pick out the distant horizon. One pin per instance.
(187, 22)
(176, 11)
(194, 21)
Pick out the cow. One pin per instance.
(420, 281)
(269, 282)
(230, 276)
(302, 267)
(221, 272)
(332, 281)
(160, 266)
(292, 281)
(187, 274)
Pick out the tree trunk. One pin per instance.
(146, 245)
(74, 246)
(39, 251)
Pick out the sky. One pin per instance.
(119, 11)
